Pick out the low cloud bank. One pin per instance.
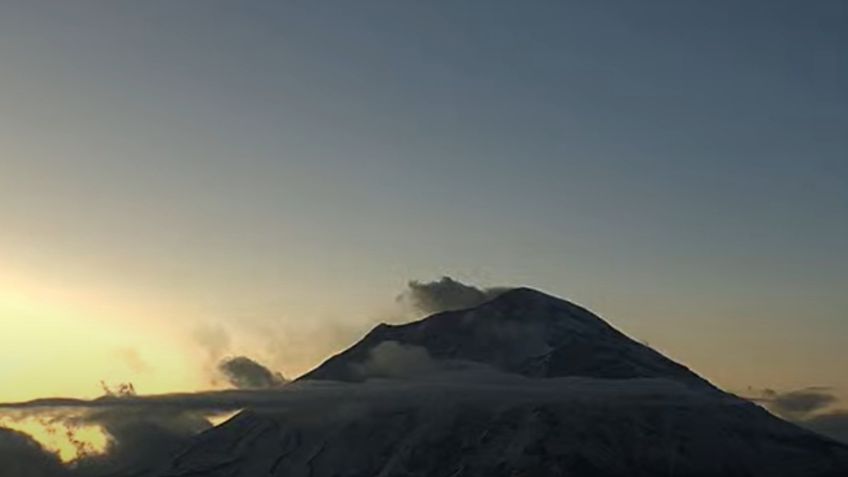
(144, 429)
(140, 429)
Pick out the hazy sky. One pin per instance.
(185, 179)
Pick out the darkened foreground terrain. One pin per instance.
(525, 384)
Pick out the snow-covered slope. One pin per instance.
(525, 385)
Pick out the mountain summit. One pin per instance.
(521, 331)
(523, 385)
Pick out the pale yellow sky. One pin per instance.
(64, 341)
(64, 333)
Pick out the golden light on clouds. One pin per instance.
(68, 442)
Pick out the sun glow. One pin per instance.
(63, 341)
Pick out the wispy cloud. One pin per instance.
(813, 407)
(245, 373)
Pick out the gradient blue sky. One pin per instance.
(677, 166)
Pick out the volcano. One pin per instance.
(523, 385)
